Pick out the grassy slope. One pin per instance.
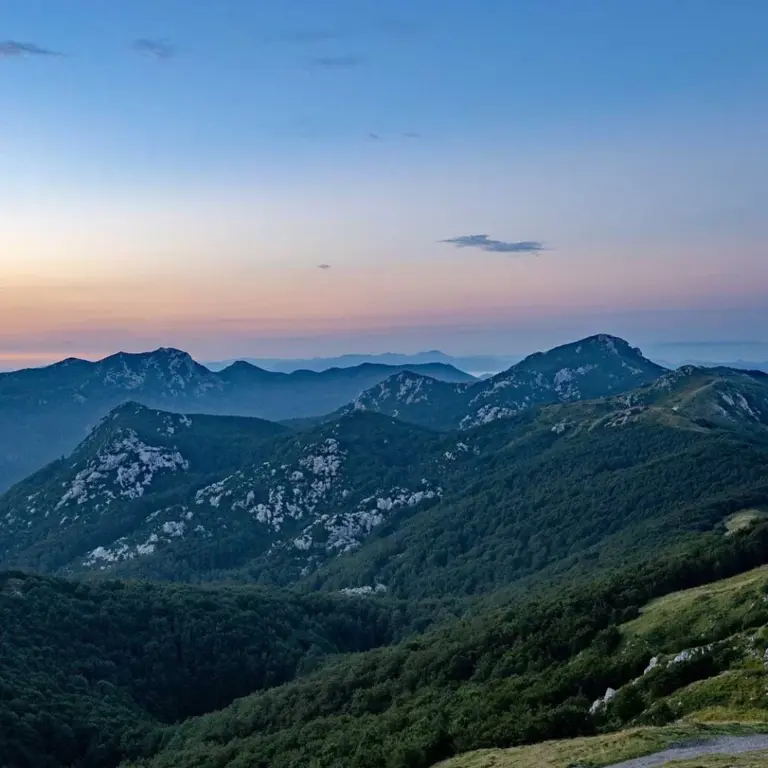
(696, 613)
(732, 702)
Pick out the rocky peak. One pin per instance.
(171, 371)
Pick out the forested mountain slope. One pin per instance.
(368, 502)
(96, 674)
(571, 516)
(532, 672)
(195, 497)
(88, 668)
(585, 483)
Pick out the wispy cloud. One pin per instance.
(485, 243)
(156, 49)
(334, 62)
(374, 137)
(312, 36)
(10, 48)
(323, 266)
(391, 28)
(412, 135)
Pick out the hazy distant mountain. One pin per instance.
(475, 364)
(744, 365)
(711, 353)
(45, 412)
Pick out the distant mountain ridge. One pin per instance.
(46, 412)
(474, 364)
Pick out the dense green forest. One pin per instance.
(99, 673)
(535, 500)
(517, 675)
(90, 668)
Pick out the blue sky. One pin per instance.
(188, 200)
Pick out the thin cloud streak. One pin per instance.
(389, 28)
(11, 48)
(156, 49)
(311, 36)
(485, 243)
(334, 62)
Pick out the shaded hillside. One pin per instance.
(87, 668)
(190, 498)
(46, 412)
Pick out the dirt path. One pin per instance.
(724, 745)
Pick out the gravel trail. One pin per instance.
(724, 745)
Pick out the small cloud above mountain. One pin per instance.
(156, 49)
(11, 48)
(485, 243)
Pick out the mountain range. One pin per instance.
(476, 364)
(46, 412)
(571, 548)
(365, 501)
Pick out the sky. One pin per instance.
(307, 177)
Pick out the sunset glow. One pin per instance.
(131, 217)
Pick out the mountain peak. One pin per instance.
(161, 354)
(604, 342)
(613, 343)
(593, 367)
(169, 371)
